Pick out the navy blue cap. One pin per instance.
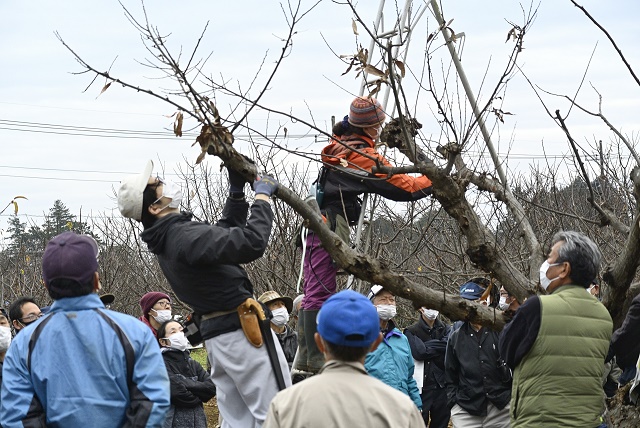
(471, 291)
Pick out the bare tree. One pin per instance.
(480, 221)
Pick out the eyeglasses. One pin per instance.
(31, 317)
(157, 184)
(163, 304)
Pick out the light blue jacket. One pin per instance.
(80, 374)
(393, 364)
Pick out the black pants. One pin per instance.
(434, 407)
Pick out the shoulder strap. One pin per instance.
(34, 338)
(129, 352)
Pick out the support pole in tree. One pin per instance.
(514, 206)
(447, 33)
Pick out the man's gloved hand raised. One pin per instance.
(236, 181)
(265, 185)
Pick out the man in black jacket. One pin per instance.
(478, 384)
(202, 262)
(428, 341)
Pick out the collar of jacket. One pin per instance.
(155, 236)
(87, 302)
(174, 354)
(344, 366)
(357, 139)
(565, 287)
(437, 325)
(391, 330)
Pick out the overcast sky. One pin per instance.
(59, 142)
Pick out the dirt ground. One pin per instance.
(621, 413)
(211, 410)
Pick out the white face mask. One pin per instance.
(544, 281)
(430, 314)
(503, 305)
(280, 316)
(386, 312)
(172, 191)
(178, 341)
(162, 316)
(5, 338)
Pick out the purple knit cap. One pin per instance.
(366, 113)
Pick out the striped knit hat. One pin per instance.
(366, 112)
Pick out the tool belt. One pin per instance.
(216, 314)
(250, 313)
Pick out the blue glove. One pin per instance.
(265, 185)
(236, 181)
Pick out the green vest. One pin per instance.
(558, 383)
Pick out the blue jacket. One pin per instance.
(79, 374)
(393, 364)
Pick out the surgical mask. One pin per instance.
(503, 305)
(544, 281)
(5, 338)
(178, 341)
(280, 316)
(386, 312)
(430, 314)
(172, 191)
(162, 316)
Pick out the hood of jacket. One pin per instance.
(155, 236)
(342, 147)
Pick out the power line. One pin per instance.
(49, 128)
(84, 131)
(60, 178)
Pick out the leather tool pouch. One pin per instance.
(250, 313)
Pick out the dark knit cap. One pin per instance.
(366, 113)
(148, 300)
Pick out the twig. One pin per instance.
(610, 39)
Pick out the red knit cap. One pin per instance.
(366, 113)
(148, 300)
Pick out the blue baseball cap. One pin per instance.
(349, 319)
(471, 291)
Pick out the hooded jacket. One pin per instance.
(392, 363)
(350, 159)
(191, 385)
(202, 261)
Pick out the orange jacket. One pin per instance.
(399, 187)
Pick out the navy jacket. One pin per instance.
(471, 371)
(429, 345)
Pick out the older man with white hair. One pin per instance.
(557, 343)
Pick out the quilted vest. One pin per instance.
(558, 383)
